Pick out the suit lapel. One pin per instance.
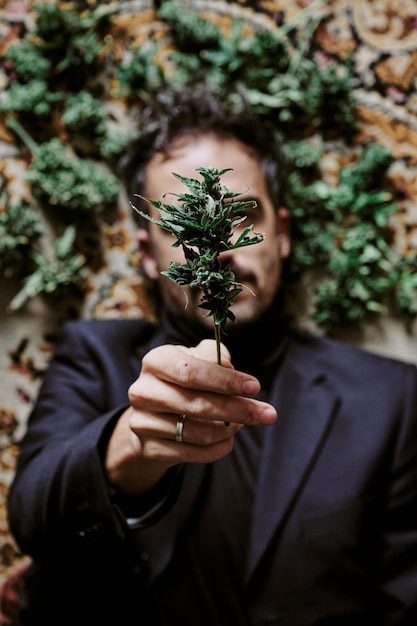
(305, 406)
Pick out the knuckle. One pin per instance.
(199, 407)
(206, 350)
(135, 391)
(228, 446)
(208, 435)
(185, 371)
(149, 358)
(150, 449)
(131, 392)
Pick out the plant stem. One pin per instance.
(17, 128)
(217, 335)
(304, 14)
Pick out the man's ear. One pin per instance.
(149, 264)
(284, 237)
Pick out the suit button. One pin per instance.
(92, 534)
(142, 567)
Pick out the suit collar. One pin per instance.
(306, 407)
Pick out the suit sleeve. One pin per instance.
(59, 499)
(399, 546)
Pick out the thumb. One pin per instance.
(207, 350)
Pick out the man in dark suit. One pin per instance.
(156, 487)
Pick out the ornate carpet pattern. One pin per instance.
(379, 36)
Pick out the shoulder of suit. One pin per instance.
(334, 351)
(135, 330)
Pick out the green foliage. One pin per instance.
(189, 31)
(404, 278)
(360, 278)
(139, 76)
(53, 88)
(63, 274)
(303, 154)
(335, 100)
(345, 230)
(278, 79)
(71, 186)
(113, 143)
(20, 228)
(366, 173)
(29, 90)
(83, 113)
(28, 61)
(70, 37)
(203, 223)
(33, 97)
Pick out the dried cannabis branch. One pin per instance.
(204, 222)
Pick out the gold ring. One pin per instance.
(179, 429)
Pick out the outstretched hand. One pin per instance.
(174, 382)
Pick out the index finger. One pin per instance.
(175, 365)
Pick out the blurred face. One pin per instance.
(257, 266)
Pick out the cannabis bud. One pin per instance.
(203, 223)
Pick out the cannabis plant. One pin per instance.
(62, 274)
(203, 222)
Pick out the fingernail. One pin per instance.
(269, 415)
(251, 387)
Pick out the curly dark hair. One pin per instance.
(172, 114)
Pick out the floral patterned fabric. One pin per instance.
(381, 38)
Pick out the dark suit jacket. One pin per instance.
(334, 532)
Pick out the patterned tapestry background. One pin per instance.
(380, 36)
